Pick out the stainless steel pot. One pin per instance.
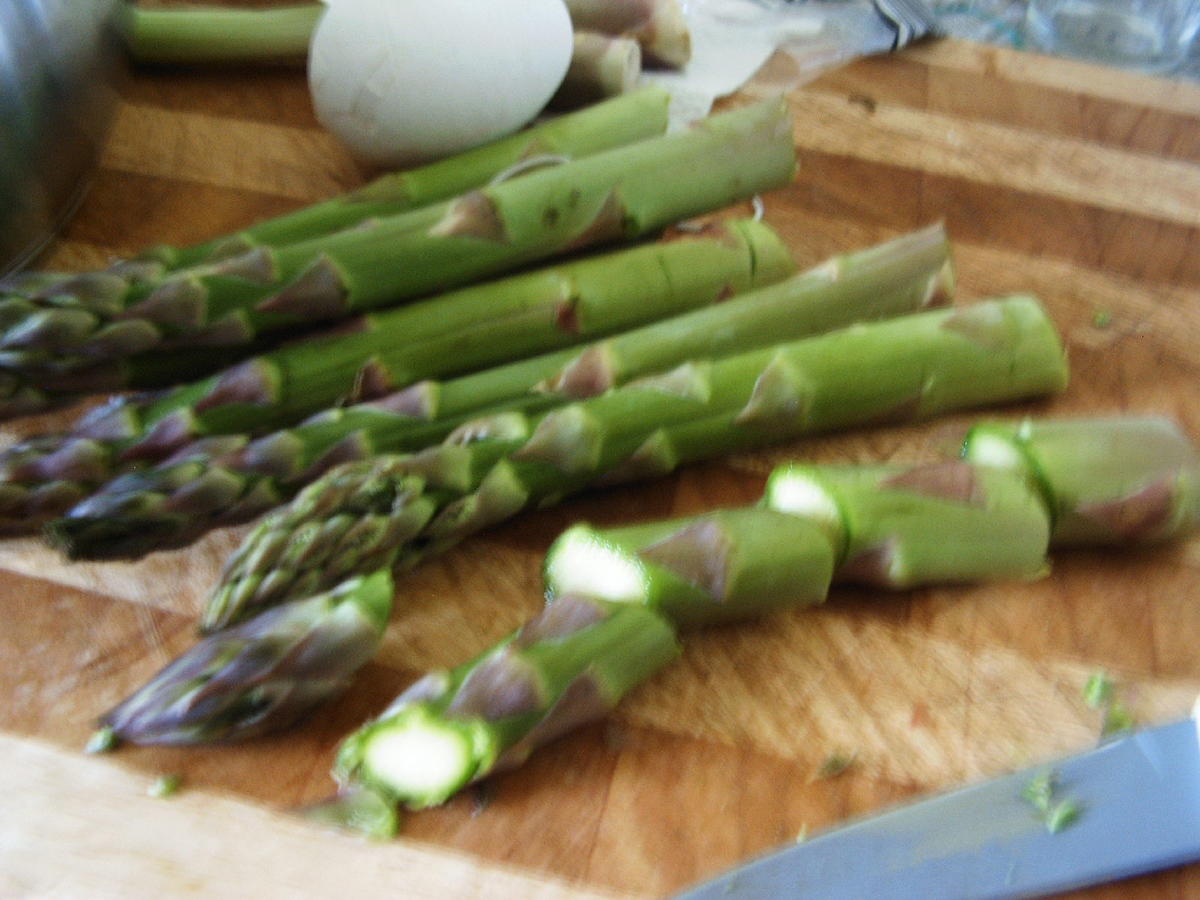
(59, 61)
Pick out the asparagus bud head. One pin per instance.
(264, 674)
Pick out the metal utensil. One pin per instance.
(1138, 802)
(59, 61)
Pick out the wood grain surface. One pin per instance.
(1079, 184)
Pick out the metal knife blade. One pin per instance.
(1139, 811)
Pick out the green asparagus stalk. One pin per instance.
(39, 302)
(465, 330)
(176, 501)
(908, 368)
(904, 526)
(722, 566)
(570, 665)
(219, 35)
(620, 194)
(1110, 481)
(263, 675)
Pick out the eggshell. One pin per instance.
(407, 81)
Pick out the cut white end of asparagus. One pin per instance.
(797, 494)
(993, 450)
(582, 565)
(420, 760)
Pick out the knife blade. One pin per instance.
(1138, 799)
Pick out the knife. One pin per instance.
(1138, 802)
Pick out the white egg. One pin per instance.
(406, 81)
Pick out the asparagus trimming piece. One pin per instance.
(453, 727)
(658, 25)
(624, 193)
(377, 354)
(218, 35)
(908, 368)
(178, 500)
(601, 66)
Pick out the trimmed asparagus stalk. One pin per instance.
(722, 566)
(261, 676)
(570, 665)
(658, 25)
(904, 526)
(219, 35)
(617, 195)
(1106, 481)
(166, 505)
(601, 66)
(38, 305)
(908, 368)
(464, 330)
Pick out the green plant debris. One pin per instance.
(802, 834)
(1102, 319)
(1117, 719)
(103, 740)
(1056, 814)
(836, 763)
(1098, 691)
(1062, 815)
(1040, 790)
(165, 786)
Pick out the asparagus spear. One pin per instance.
(464, 330)
(907, 368)
(457, 726)
(615, 123)
(166, 505)
(566, 667)
(903, 526)
(1109, 481)
(619, 194)
(262, 675)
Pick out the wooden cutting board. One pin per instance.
(1079, 184)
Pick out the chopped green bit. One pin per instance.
(1098, 691)
(165, 786)
(1062, 815)
(802, 834)
(1102, 318)
(103, 740)
(1055, 815)
(358, 810)
(835, 764)
(1116, 719)
(1040, 791)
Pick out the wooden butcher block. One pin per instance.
(1079, 184)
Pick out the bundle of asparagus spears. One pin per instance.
(61, 332)
(391, 511)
